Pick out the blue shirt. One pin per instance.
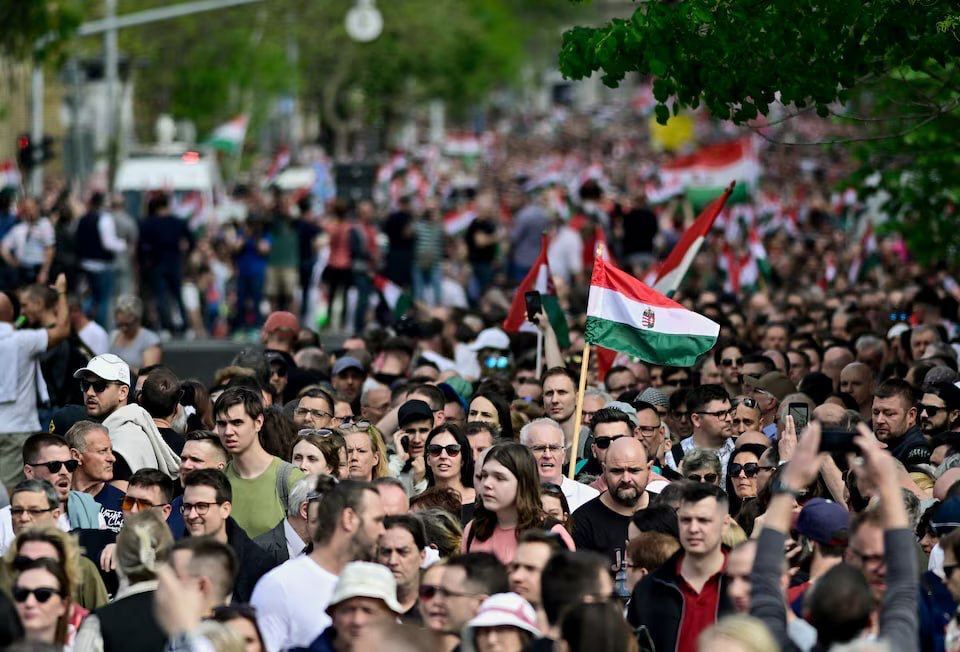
(111, 506)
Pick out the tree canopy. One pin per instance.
(888, 66)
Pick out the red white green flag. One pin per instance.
(539, 279)
(625, 315)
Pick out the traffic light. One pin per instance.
(25, 159)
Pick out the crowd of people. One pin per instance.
(422, 484)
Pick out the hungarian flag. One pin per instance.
(457, 221)
(538, 279)
(392, 295)
(708, 170)
(230, 135)
(675, 267)
(625, 315)
(758, 254)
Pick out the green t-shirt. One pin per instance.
(257, 507)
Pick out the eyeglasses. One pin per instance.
(706, 477)
(648, 431)
(746, 400)
(42, 593)
(142, 504)
(99, 386)
(17, 512)
(603, 443)
(680, 415)
(749, 469)
(201, 507)
(452, 450)
(730, 362)
(720, 414)
(316, 414)
(869, 559)
(54, 465)
(540, 449)
(349, 423)
(431, 591)
(931, 410)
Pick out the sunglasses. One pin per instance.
(42, 594)
(452, 450)
(318, 432)
(128, 503)
(707, 477)
(729, 362)
(931, 410)
(746, 400)
(54, 466)
(750, 469)
(603, 443)
(430, 591)
(99, 386)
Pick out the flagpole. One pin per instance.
(578, 414)
(539, 363)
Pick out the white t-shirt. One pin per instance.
(291, 602)
(95, 337)
(18, 377)
(577, 493)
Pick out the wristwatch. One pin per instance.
(778, 487)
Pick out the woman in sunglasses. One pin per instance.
(742, 470)
(41, 593)
(450, 465)
(320, 452)
(510, 505)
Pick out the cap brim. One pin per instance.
(500, 619)
(390, 601)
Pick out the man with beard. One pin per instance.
(601, 524)
(895, 421)
(291, 600)
(939, 410)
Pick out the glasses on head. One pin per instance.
(352, 423)
(54, 465)
(720, 414)
(99, 386)
(316, 414)
(201, 508)
(316, 432)
(710, 478)
(931, 410)
(540, 449)
(746, 400)
(142, 504)
(17, 512)
(603, 443)
(42, 593)
(749, 469)
(452, 450)
(551, 489)
(730, 362)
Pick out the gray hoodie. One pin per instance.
(136, 438)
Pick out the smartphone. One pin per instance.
(405, 444)
(838, 441)
(801, 415)
(534, 305)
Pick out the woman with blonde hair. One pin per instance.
(737, 634)
(366, 453)
(128, 623)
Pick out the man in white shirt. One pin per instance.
(291, 600)
(544, 438)
(92, 334)
(20, 379)
(29, 246)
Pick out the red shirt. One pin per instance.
(699, 609)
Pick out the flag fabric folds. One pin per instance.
(625, 315)
(539, 279)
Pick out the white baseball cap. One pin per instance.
(491, 338)
(361, 579)
(108, 367)
(506, 610)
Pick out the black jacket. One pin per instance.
(656, 607)
(274, 543)
(911, 448)
(252, 562)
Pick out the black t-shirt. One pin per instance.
(110, 499)
(597, 527)
(481, 253)
(639, 229)
(173, 439)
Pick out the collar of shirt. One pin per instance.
(295, 544)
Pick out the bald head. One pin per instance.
(830, 415)
(856, 379)
(753, 437)
(944, 482)
(6, 309)
(626, 470)
(834, 360)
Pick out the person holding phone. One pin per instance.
(408, 464)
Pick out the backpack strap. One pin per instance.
(283, 483)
